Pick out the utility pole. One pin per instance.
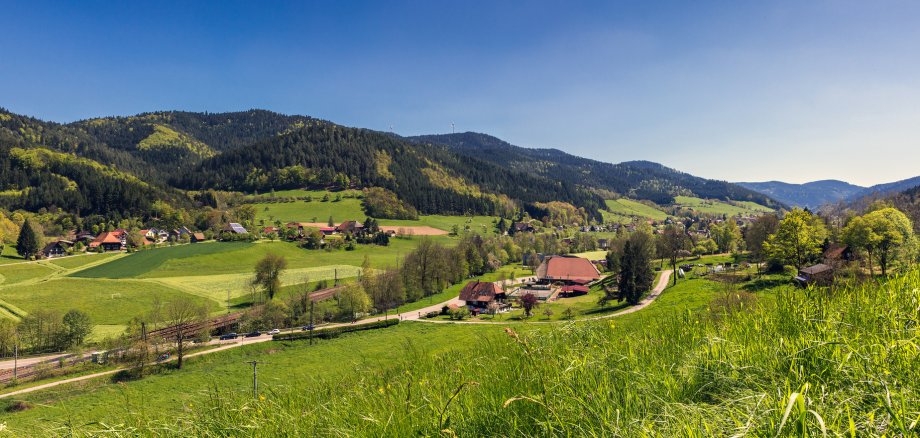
(311, 320)
(16, 359)
(228, 301)
(255, 378)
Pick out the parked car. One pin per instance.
(253, 334)
(274, 332)
(306, 328)
(229, 336)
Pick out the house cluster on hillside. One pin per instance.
(117, 240)
(556, 277)
(348, 227)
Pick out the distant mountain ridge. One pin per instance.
(636, 179)
(819, 193)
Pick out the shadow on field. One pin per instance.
(761, 284)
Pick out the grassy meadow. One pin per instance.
(702, 360)
(106, 301)
(634, 209)
(716, 207)
(302, 211)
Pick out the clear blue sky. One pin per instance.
(794, 90)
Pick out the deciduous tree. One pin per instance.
(798, 239)
(268, 273)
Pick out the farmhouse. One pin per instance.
(478, 295)
(235, 228)
(819, 274)
(56, 249)
(353, 227)
(518, 227)
(110, 241)
(569, 270)
(197, 237)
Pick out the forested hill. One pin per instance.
(119, 166)
(431, 178)
(636, 179)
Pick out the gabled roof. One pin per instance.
(236, 228)
(198, 236)
(835, 252)
(349, 225)
(816, 269)
(480, 291)
(568, 268)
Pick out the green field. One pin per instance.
(702, 360)
(106, 301)
(367, 356)
(142, 262)
(479, 224)
(19, 272)
(9, 255)
(592, 255)
(78, 261)
(302, 211)
(631, 208)
(716, 207)
(180, 392)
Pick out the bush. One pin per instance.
(459, 314)
(334, 332)
(790, 271)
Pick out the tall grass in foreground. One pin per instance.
(844, 362)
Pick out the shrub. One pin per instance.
(459, 314)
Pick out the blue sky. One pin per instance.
(742, 91)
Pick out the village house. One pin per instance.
(477, 295)
(235, 228)
(574, 273)
(353, 227)
(57, 249)
(819, 275)
(197, 237)
(519, 227)
(837, 256)
(110, 241)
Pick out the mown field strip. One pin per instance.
(215, 287)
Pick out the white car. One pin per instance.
(274, 332)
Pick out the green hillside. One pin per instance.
(710, 359)
(716, 207)
(633, 209)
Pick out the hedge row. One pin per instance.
(334, 332)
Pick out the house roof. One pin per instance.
(816, 269)
(480, 291)
(568, 268)
(108, 237)
(349, 225)
(236, 228)
(198, 236)
(835, 252)
(61, 243)
(575, 288)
